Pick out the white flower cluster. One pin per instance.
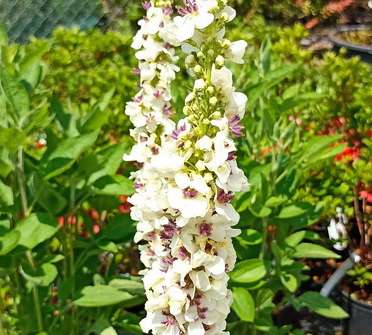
(189, 171)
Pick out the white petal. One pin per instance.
(203, 20)
(195, 328)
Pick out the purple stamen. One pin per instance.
(235, 127)
(183, 253)
(138, 99)
(168, 11)
(169, 320)
(190, 7)
(137, 185)
(223, 197)
(136, 71)
(157, 94)
(178, 131)
(205, 229)
(190, 192)
(169, 230)
(146, 5)
(154, 150)
(232, 156)
(202, 311)
(168, 111)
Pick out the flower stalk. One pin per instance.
(189, 173)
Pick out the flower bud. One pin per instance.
(198, 69)
(188, 144)
(220, 61)
(190, 60)
(210, 89)
(216, 115)
(190, 97)
(186, 110)
(226, 43)
(199, 84)
(200, 55)
(213, 101)
(210, 52)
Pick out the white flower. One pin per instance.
(160, 324)
(236, 51)
(190, 196)
(177, 300)
(188, 174)
(222, 78)
(237, 104)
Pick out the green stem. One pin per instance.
(25, 212)
(71, 256)
(264, 238)
(39, 319)
(21, 182)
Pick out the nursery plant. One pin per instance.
(65, 235)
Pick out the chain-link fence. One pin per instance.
(25, 18)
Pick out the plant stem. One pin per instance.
(21, 182)
(264, 238)
(70, 243)
(39, 319)
(24, 203)
(358, 217)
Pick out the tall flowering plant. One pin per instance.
(188, 173)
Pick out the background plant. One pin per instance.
(64, 223)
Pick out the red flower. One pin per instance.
(125, 208)
(96, 229)
(349, 153)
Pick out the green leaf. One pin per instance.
(292, 211)
(6, 195)
(319, 148)
(119, 228)
(30, 69)
(289, 281)
(322, 305)
(310, 250)
(243, 304)
(102, 295)
(108, 246)
(36, 229)
(69, 150)
(250, 237)
(6, 165)
(265, 56)
(48, 275)
(248, 271)
(295, 238)
(109, 331)
(62, 117)
(8, 242)
(98, 116)
(105, 162)
(47, 195)
(264, 298)
(114, 185)
(12, 138)
(15, 93)
(131, 286)
(299, 100)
